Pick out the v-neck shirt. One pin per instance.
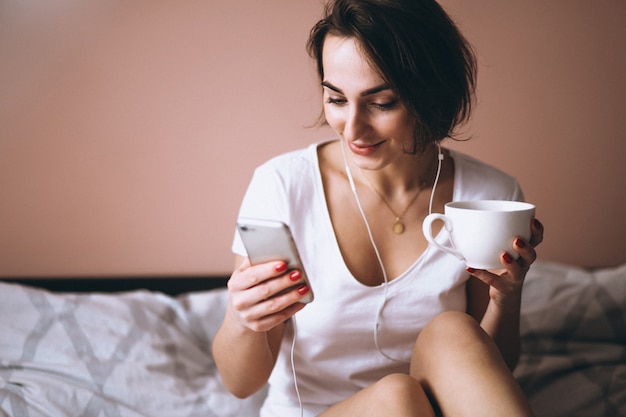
(335, 354)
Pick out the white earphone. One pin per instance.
(371, 238)
(378, 257)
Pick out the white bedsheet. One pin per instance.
(129, 354)
(146, 354)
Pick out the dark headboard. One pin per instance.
(168, 285)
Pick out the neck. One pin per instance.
(395, 181)
(399, 224)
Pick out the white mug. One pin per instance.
(481, 230)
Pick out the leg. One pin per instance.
(395, 395)
(460, 366)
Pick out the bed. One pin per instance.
(146, 352)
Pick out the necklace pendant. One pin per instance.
(398, 226)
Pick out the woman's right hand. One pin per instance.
(255, 296)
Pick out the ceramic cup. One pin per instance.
(481, 230)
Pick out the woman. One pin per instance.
(396, 328)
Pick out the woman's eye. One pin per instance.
(386, 106)
(331, 100)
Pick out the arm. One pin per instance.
(246, 345)
(495, 300)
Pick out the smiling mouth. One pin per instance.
(364, 149)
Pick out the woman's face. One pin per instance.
(361, 107)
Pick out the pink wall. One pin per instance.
(129, 130)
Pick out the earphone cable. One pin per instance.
(293, 365)
(371, 237)
(380, 262)
(432, 194)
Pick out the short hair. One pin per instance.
(417, 49)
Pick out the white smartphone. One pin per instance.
(271, 240)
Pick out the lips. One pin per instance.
(364, 149)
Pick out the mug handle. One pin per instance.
(427, 230)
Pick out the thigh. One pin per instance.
(461, 368)
(397, 395)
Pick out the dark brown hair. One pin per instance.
(418, 51)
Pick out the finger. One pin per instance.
(496, 278)
(488, 277)
(271, 287)
(527, 253)
(511, 264)
(276, 309)
(248, 276)
(536, 229)
(251, 296)
(270, 321)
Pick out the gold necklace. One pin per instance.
(398, 226)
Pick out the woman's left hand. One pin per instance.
(507, 284)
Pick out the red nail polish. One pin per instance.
(470, 269)
(281, 267)
(507, 257)
(520, 243)
(295, 276)
(303, 290)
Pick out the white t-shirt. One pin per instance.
(335, 354)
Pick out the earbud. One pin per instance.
(432, 194)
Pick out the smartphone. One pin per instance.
(271, 240)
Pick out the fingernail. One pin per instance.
(520, 243)
(303, 290)
(295, 276)
(507, 257)
(280, 267)
(537, 224)
(470, 269)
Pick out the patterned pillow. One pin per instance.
(573, 359)
(129, 354)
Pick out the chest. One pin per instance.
(378, 239)
(364, 229)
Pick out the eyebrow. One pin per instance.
(368, 92)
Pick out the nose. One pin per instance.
(356, 123)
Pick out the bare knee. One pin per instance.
(449, 336)
(453, 329)
(458, 364)
(402, 395)
(400, 385)
(397, 395)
